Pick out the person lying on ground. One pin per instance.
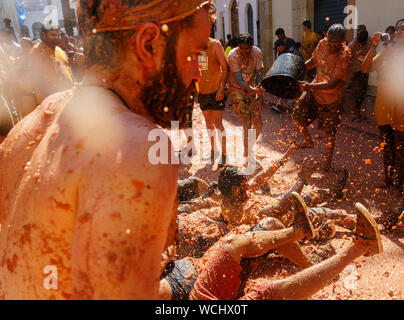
(191, 188)
(216, 276)
(239, 205)
(212, 219)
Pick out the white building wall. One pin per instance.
(282, 16)
(377, 16)
(224, 9)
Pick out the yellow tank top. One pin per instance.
(210, 69)
(309, 42)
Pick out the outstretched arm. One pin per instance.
(311, 64)
(370, 63)
(259, 179)
(307, 169)
(326, 85)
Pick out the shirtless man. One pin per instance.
(78, 192)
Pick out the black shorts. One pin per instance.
(181, 277)
(208, 102)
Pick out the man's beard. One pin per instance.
(164, 94)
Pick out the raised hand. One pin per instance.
(308, 167)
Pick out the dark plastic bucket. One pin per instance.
(282, 79)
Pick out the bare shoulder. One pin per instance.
(108, 141)
(30, 131)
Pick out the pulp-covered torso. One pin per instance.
(38, 200)
(76, 185)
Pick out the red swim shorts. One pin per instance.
(219, 280)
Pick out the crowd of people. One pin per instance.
(33, 69)
(78, 191)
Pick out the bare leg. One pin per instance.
(247, 123)
(330, 147)
(340, 217)
(256, 243)
(307, 282)
(308, 142)
(257, 124)
(218, 124)
(294, 253)
(164, 290)
(291, 251)
(208, 115)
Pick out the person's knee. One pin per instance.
(246, 121)
(209, 123)
(257, 123)
(230, 242)
(271, 223)
(217, 122)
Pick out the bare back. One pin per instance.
(78, 193)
